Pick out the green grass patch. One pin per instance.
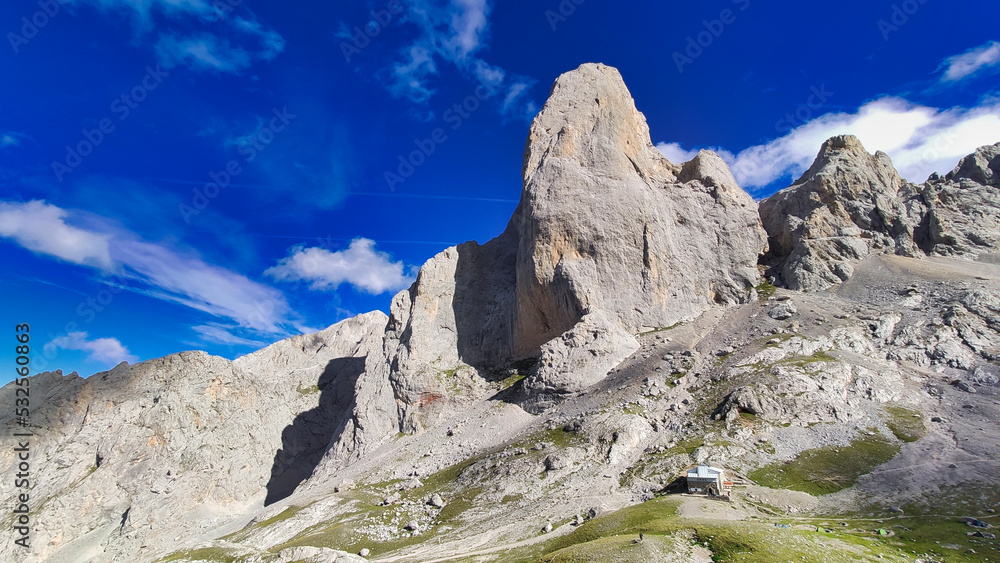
(280, 517)
(687, 446)
(829, 469)
(803, 361)
(307, 390)
(635, 409)
(908, 425)
(513, 380)
(204, 554)
(611, 538)
(765, 290)
(662, 329)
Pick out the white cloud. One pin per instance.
(204, 52)
(194, 283)
(970, 62)
(179, 43)
(360, 265)
(454, 31)
(107, 351)
(676, 153)
(919, 139)
(157, 271)
(40, 227)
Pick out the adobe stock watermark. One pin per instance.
(363, 36)
(250, 148)
(563, 11)
(802, 114)
(899, 16)
(455, 117)
(122, 107)
(31, 25)
(696, 44)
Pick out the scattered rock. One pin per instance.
(436, 501)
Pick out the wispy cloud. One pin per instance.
(225, 42)
(204, 52)
(919, 139)
(190, 281)
(40, 227)
(151, 269)
(970, 62)
(10, 139)
(106, 351)
(454, 32)
(360, 265)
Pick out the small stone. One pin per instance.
(436, 501)
(547, 529)
(412, 526)
(365, 552)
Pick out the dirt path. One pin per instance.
(703, 508)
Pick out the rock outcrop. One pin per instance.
(963, 207)
(846, 207)
(601, 209)
(135, 455)
(851, 204)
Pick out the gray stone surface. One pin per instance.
(846, 207)
(851, 204)
(144, 454)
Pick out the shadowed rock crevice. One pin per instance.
(304, 442)
(484, 302)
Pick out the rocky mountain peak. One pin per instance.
(851, 204)
(590, 116)
(982, 166)
(845, 207)
(601, 209)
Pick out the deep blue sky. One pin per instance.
(104, 263)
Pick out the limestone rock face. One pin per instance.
(603, 210)
(850, 205)
(578, 358)
(450, 330)
(123, 458)
(607, 230)
(963, 215)
(846, 207)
